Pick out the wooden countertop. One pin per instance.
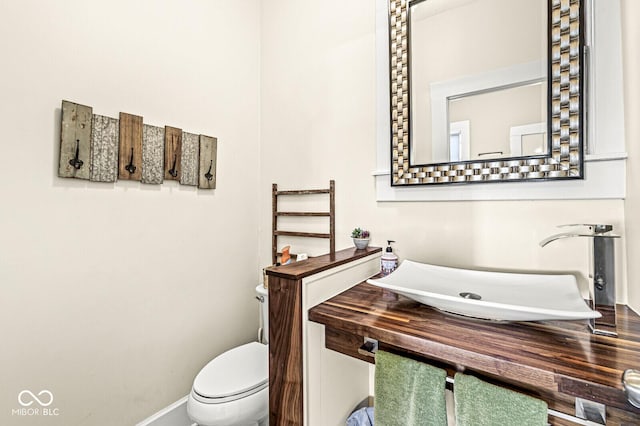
(313, 265)
(550, 356)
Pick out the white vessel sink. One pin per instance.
(499, 296)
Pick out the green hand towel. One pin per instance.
(408, 392)
(482, 404)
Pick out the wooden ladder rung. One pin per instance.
(304, 192)
(302, 234)
(310, 214)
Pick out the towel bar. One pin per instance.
(370, 347)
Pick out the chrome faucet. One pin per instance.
(602, 283)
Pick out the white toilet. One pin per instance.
(232, 389)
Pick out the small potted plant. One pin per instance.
(360, 238)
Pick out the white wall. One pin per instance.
(318, 108)
(113, 296)
(318, 122)
(631, 60)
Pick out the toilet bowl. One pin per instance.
(232, 389)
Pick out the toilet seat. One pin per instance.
(235, 374)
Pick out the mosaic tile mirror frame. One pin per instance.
(565, 112)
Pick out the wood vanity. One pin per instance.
(321, 310)
(553, 360)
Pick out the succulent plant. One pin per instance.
(359, 233)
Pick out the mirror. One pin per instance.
(474, 97)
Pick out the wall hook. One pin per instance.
(208, 175)
(130, 167)
(173, 172)
(76, 162)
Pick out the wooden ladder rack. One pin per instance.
(331, 235)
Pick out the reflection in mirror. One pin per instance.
(450, 69)
(494, 117)
(485, 90)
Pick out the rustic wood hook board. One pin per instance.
(104, 149)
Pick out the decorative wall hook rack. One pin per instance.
(104, 149)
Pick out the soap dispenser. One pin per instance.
(388, 261)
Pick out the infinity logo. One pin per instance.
(35, 398)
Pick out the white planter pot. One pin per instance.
(361, 243)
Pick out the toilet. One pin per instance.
(233, 388)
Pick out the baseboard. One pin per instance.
(172, 415)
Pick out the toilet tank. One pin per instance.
(262, 294)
